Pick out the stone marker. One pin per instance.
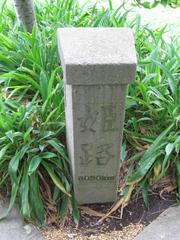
(98, 63)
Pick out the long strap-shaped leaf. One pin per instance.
(14, 163)
(36, 199)
(148, 158)
(55, 178)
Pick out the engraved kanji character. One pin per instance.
(87, 122)
(88, 157)
(108, 118)
(103, 154)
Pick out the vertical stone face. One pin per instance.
(98, 63)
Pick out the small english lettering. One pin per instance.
(96, 178)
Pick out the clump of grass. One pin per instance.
(33, 159)
(152, 124)
(153, 121)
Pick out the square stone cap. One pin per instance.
(91, 56)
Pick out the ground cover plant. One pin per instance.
(152, 4)
(34, 166)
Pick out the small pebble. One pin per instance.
(127, 233)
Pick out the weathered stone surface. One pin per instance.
(92, 56)
(98, 63)
(165, 227)
(13, 227)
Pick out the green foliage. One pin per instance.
(152, 125)
(154, 108)
(151, 4)
(31, 150)
(33, 159)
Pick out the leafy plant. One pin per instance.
(31, 153)
(152, 4)
(152, 132)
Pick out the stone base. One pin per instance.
(87, 194)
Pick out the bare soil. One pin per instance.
(135, 217)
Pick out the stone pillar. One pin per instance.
(98, 64)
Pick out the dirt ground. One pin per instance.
(135, 218)
(120, 227)
(128, 233)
